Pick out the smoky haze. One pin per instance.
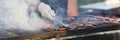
(20, 14)
(25, 16)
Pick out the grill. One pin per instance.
(76, 33)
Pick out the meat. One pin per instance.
(87, 21)
(91, 21)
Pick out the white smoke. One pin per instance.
(14, 15)
(46, 11)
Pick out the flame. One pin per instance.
(48, 26)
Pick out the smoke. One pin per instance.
(46, 11)
(20, 14)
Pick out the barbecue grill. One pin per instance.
(77, 33)
(68, 33)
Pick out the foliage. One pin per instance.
(83, 2)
